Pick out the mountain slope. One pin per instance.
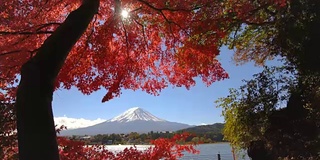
(213, 131)
(203, 129)
(132, 120)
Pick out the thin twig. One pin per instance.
(10, 52)
(143, 33)
(126, 35)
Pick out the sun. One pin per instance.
(125, 14)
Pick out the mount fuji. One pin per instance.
(133, 120)
(134, 114)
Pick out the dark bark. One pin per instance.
(36, 131)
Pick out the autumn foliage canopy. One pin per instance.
(154, 46)
(159, 43)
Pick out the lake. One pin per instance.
(207, 151)
(210, 152)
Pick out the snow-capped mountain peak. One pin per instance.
(134, 114)
(133, 120)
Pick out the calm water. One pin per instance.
(210, 151)
(207, 151)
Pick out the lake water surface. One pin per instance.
(211, 151)
(207, 151)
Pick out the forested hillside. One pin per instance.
(213, 131)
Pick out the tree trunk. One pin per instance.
(36, 130)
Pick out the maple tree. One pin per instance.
(59, 44)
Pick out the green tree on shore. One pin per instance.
(279, 109)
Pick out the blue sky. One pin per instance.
(194, 106)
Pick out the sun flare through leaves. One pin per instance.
(125, 13)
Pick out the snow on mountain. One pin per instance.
(133, 114)
(133, 120)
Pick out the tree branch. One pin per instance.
(25, 33)
(143, 33)
(126, 35)
(10, 52)
(169, 9)
(28, 31)
(47, 24)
